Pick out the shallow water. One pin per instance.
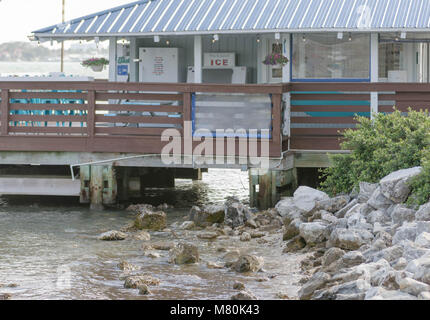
(51, 251)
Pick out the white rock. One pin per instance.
(408, 231)
(412, 286)
(423, 240)
(305, 198)
(366, 191)
(423, 214)
(379, 201)
(350, 239)
(396, 185)
(424, 296)
(382, 294)
(313, 232)
(187, 225)
(402, 214)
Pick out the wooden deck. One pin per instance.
(105, 117)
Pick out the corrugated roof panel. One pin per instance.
(333, 13)
(241, 19)
(122, 19)
(188, 15)
(402, 13)
(391, 13)
(85, 25)
(322, 14)
(106, 26)
(74, 26)
(159, 12)
(255, 14)
(166, 16)
(158, 16)
(231, 15)
(425, 14)
(147, 11)
(221, 14)
(198, 16)
(216, 5)
(98, 23)
(415, 13)
(177, 17)
(266, 14)
(134, 16)
(344, 14)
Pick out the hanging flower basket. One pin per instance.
(96, 64)
(276, 59)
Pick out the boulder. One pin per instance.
(313, 232)
(424, 296)
(127, 267)
(184, 253)
(423, 240)
(237, 214)
(342, 212)
(149, 220)
(352, 259)
(366, 191)
(134, 282)
(187, 225)
(412, 251)
(248, 263)
(352, 288)
(238, 286)
(412, 286)
(142, 236)
(144, 290)
(5, 296)
(245, 237)
(287, 209)
(207, 235)
(379, 293)
(396, 186)
(295, 244)
(423, 214)
(334, 204)
(208, 215)
(306, 198)
(244, 296)
(408, 231)
(350, 239)
(113, 236)
(378, 201)
(231, 256)
(292, 230)
(332, 255)
(316, 282)
(163, 245)
(402, 214)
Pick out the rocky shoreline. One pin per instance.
(368, 245)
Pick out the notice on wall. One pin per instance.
(158, 66)
(220, 59)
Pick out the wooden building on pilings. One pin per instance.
(198, 68)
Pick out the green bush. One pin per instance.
(388, 143)
(421, 184)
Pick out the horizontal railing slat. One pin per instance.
(35, 118)
(48, 95)
(52, 130)
(138, 96)
(138, 108)
(138, 119)
(134, 131)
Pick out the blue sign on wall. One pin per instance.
(123, 70)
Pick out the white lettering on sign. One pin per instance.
(220, 59)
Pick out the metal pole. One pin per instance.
(62, 42)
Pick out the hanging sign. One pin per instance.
(220, 59)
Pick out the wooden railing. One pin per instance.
(321, 111)
(112, 117)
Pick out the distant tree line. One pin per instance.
(27, 51)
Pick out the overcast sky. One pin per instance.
(18, 18)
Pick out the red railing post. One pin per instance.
(276, 120)
(91, 118)
(187, 129)
(4, 112)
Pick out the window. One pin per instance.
(325, 57)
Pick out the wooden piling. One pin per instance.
(96, 187)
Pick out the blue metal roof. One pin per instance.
(150, 17)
